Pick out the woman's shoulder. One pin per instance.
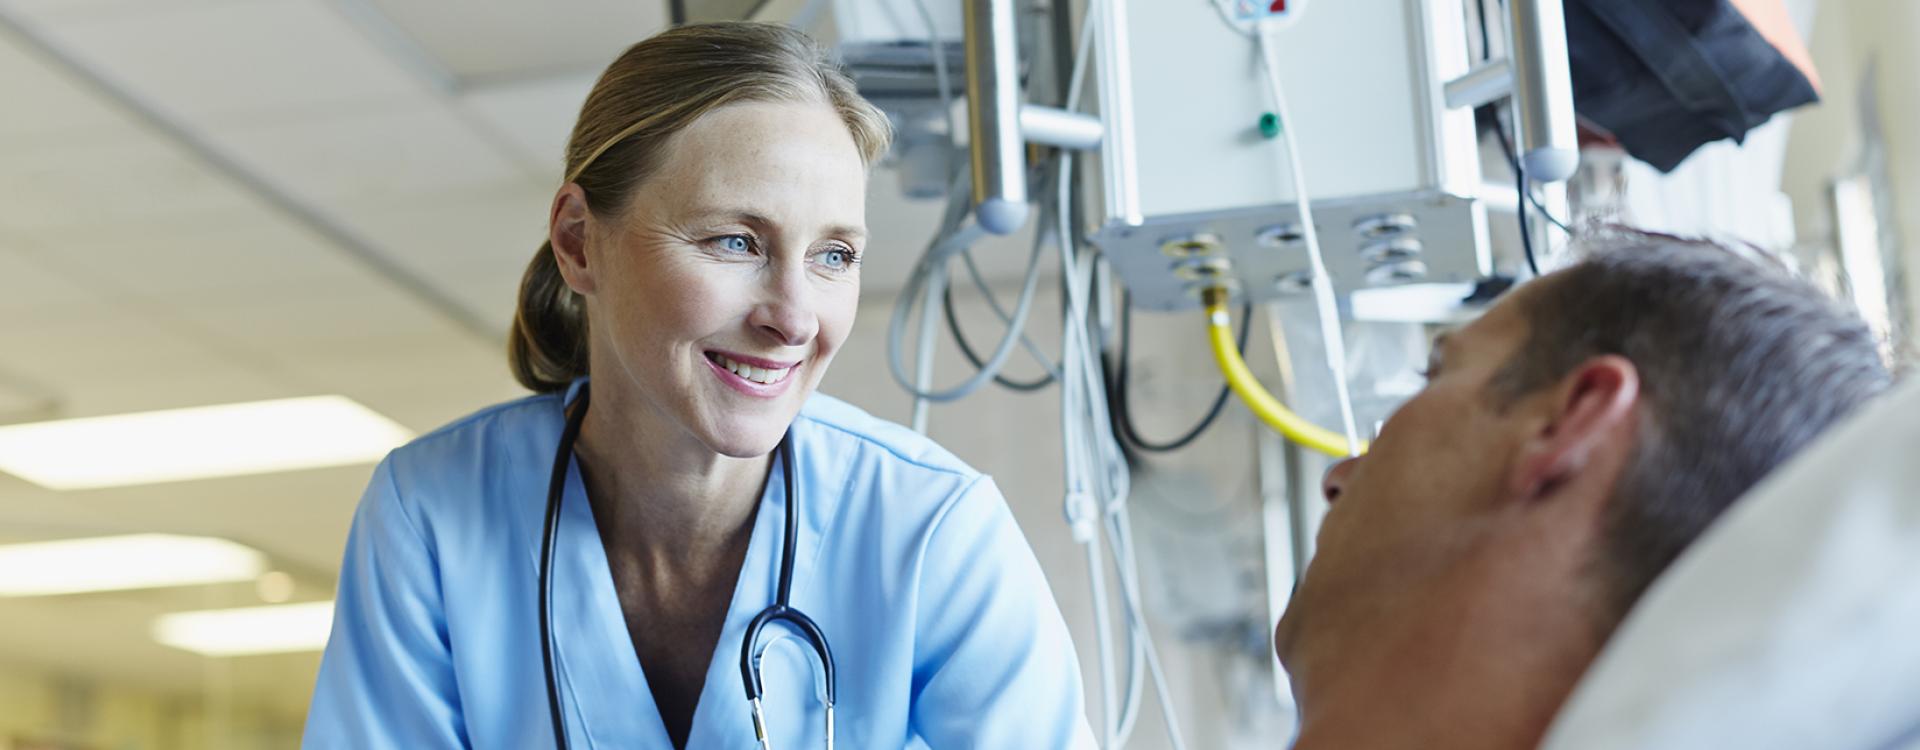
(882, 475)
(515, 416)
(473, 447)
(850, 428)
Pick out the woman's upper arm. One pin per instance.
(386, 679)
(994, 666)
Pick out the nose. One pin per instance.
(1335, 481)
(785, 312)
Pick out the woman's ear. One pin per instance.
(567, 234)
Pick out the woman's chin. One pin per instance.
(747, 438)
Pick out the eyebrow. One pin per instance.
(756, 219)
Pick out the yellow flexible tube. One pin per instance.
(1263, 404)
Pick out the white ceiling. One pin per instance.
(162, 165)
(207, 201)
(493, 40)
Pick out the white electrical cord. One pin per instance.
(993, 303)
(1328, 308)
(1101, 463)
(1081, 508)
(1096, 474)
(937, 49)
(923, 374)
(954, 237)
(923, 368)
(1094, 455)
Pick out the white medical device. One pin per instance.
(1390, 169)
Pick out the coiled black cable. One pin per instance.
(966, 349)
(1122, 414)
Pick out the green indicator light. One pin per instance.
(1270, 125)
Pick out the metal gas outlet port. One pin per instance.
(1188, 246)
(1402, 272)
(1391, 251)
(1380, 226)
(1289, 234)
(1203, 268)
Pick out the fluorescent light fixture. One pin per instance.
(134, 561)
(198, 443)
(276, 629)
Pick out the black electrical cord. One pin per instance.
(1526, 229)
(966, 349)
(1122, 415)
(1513, 160)
(1525, 196)
(1486, 41)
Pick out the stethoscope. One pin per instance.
(750, 645)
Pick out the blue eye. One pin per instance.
(839, 258)
(736, 243)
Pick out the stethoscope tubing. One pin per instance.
(780, 611)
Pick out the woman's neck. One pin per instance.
(682, 505)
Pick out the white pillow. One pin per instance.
(1794, 622)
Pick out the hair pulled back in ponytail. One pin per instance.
(548, 348)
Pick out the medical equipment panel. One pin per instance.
(1390, 169)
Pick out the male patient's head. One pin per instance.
(1569, 444)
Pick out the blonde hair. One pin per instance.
(652, 91)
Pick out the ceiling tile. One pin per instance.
(303, 320)
(491, 295)
(238, 59)
(45, 192)
(166, 260)
(471, 245)
(513, 38)
(493, 230)
(537, 114)
(175, 386)
(90, 343)
(460, 367)
(459, 384)
(46, 104)
(28, 286)
(385, 152)
(74, 9)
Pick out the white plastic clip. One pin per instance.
(1081, 512)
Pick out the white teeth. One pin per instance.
(759, 375)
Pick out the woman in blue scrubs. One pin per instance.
(702, 270)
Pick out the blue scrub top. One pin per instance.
(943, 628)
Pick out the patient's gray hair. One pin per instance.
(1741, 365)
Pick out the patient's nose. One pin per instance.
(1336, 479)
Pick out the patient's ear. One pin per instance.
(1585, 431)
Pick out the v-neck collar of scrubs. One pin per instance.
(603, 688)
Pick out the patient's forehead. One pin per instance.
(1499, 332)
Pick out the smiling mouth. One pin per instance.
(751, 373)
